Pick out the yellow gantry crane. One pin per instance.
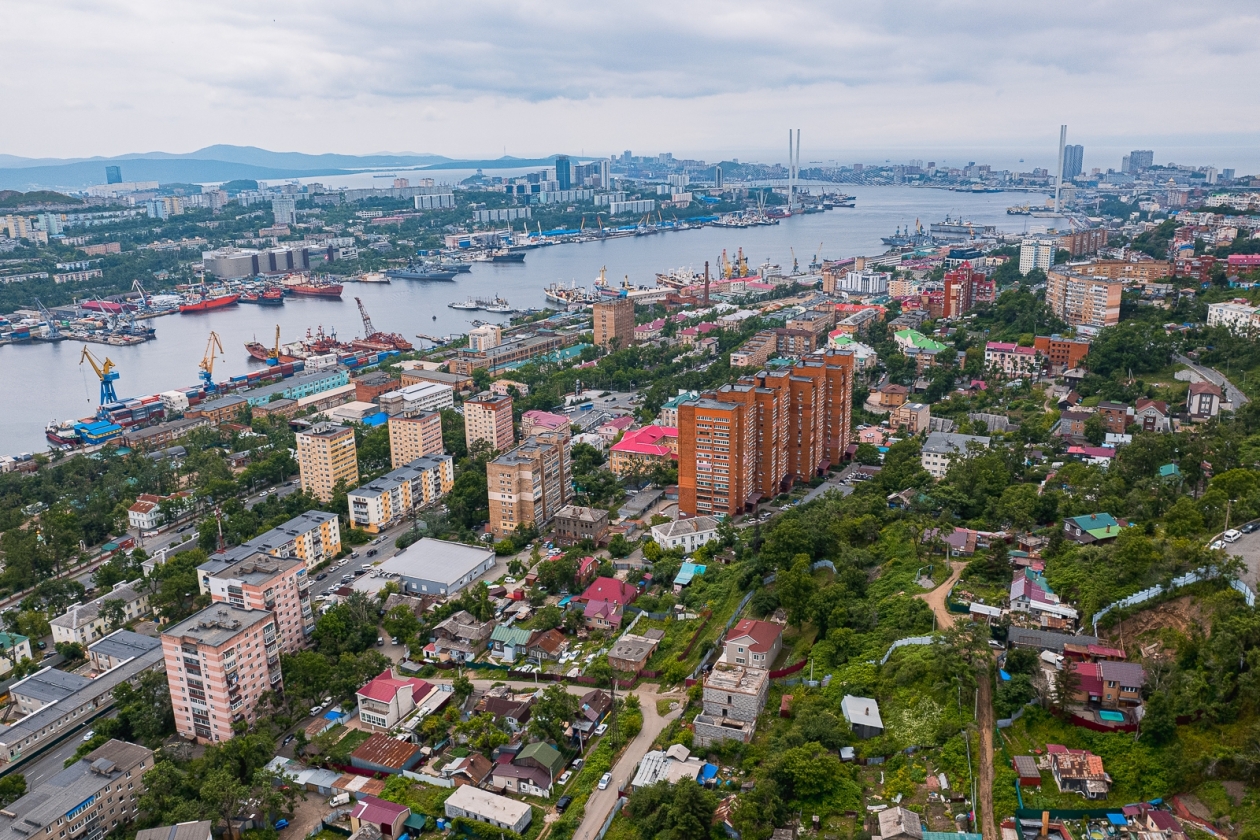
(105, 371)
(207, 361)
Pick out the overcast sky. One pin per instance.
(701, 78)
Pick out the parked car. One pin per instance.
(509, 579)
(91, 733)
(288, 739)
(1250, 527)
(371, 552)
(604, 780)
(1232, 535)
(577, 763)
(42, 644)
(564, 780)
(393, 640)
(601, 729)
(380, 641)
(358, 572)
(1216, 545)
(315, 710)
(281, 823)
(563, 802)
(321, 576)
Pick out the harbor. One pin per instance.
(410, 308)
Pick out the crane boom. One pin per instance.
(368, 329)
(105, 371)
(54, 332)
(207, 362)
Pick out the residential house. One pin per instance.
(1009, 359)
(1078, 771)
(897, 823)
(1203, 402)
(753, 642)
(547, 645)
(1151, 415)
(85, 623)
(461, 637)
(480, 805)
(1031, 594)
(643, 449)
(1092, 528)
(594, 704)
(1156, 822)
(510, 643)
(942, 448)
(1115, 416)
(13, 649)
(574, 524)
(631, 653)
(386, 700)
(733, 697)
(1098, 456)
(606, 600)
(887, 397)
(506, 709)
(916, 417)
(383, 754)
(1109, 684)
(146, 514)
(613, 427)
(473, 769)
(1072, 423)
(862, 714)
(383, 815)
(687, 534)
(543, 756)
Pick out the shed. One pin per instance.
(1025, 767)
(862, 713)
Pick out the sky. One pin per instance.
(866, 80)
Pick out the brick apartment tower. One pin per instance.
(488, 417)
(614, 319)
(414, 437)
(326, 454)
(530, 484)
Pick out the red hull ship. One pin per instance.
(206, 304)
(332, 290)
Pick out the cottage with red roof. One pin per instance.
(386, 700)
(605, 601)
(643, 448)
(755, 643)
(1151, 415)
(1078, 771)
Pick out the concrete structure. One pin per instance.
(417, 376)
(733, 697)
(414, 437)
(327, 456)
(915, 417)
(197, 830)
(573, 524)
(941, 448)
(669, 411)
(220, 409)
(755, 643)
(1009, 359)
(13, 649)
(488, 419)
(386, 700)
(672, 765)
(410, 400)
(475, 804)
(369, 386)
(686, 534)
(86, 801)
(508, 354)
(118, 648)
(438, 567)
(530, 484)
(1238, 316)
(379, 504)
(251, 580)
(630, 653)
(484, 337)
(1036, 253)
(534, 421)
(1062, 353)
(862, 713)
(642, 449)
(1084, 301)
(312, 537)
(218, 663)
(614, 323)
(85, 623)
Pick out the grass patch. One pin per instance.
(663, 706)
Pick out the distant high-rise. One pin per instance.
(717, 177)
(1140, 160)
(284, 210)
(614, 323)
(625, 156)
(1073, 161)
(113, 174)
(564, 173)
(605, 174)
(1227, 174)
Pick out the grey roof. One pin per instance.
(41, 723)
(403, 475)
(277, 537)
(124, 644)
(436, 560)
(254, 568)
(181, 831)
(56, 797)
(217, 624)
(948, 443)
(79, 615)
(1044, 639)
(861, 711)
(683, 527)
(897, 822)
(632, 648)
(1128, 674)
(49, 685)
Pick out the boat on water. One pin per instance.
(321, 290)
(470, 305)
(569, 295)
(1019, 210)
(200, 303)
(62, 434)
(457, 266)
(271, 297)
(502, 256)
(496, 305)
(955, 230)
(420, 272)
(371, 277)
(917, 238)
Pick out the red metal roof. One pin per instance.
(385, 686)
(763, 633)
(647, 441)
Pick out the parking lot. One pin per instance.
(1247, 548)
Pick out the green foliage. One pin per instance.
(672, 812)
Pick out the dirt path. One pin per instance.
(988, 825)
(937, 597)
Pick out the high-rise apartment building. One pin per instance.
(1073, 161)
(756, 438)
(488, 417)
(1084, 301)
(218, 663)
(564, 173)
(381, 503)
(530, 484)
(251, 580)
(964, 289)
(1036, 253)
(284, 210)
(1139, 161)
(614, 323)
(414, 437)
(326, 455)
(484, 337)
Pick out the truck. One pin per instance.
(339, 799)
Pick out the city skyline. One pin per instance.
(468, 81)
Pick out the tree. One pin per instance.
(1095, 431)
(549, 618)
(619, 546)
(12, 787)
(551, 713)
(462, 688)
(481, 733)
(114, 613)
(401, 623)
(1159, 725)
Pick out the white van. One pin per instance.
(1232, 536)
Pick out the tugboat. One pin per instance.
(271, 297)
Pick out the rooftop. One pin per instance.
(385, 686)
(436, 560)
(217, 624)
(49, 685)
(763, 633)
(486, 804)
(124, 644)
(81, 615)
(738, 678)
(180, 831)
(949, 443)
(384, 751)
(861, 711)
(684, 527)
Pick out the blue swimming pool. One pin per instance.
(1111, 717)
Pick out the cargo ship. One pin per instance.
(271, 297)
(199, 303)
(321, 290)
(568, 295)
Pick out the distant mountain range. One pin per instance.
(220, 163)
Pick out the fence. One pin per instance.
(427, 779)
(612, 815)
(789, 670)
(1188, 578)
(1007, 723)
(823, 564)
(912, 640)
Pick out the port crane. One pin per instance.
(207, 362)
(796, 266)
(368, 329)
(105, 371)
(144, 296)
(54, 332)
